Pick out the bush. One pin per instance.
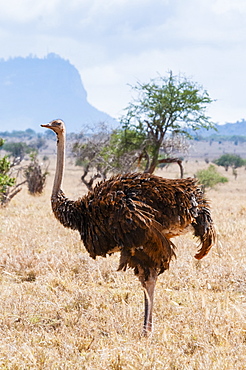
(210, 177)
(7, 183)
(34, 176)
(5, 180)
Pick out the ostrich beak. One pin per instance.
(47, 125)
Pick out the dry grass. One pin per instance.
(62, 310)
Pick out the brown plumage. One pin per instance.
(136, 214)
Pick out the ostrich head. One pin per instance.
(56, 125)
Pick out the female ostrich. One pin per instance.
(136, 214)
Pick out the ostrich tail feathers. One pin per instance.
(204, 229)
(208, 240)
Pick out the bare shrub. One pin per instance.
(35, 177)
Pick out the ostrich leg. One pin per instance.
(149, 288)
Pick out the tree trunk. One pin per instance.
(152, 167)
(154, 161)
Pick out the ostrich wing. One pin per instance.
(117, 222)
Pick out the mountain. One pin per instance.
(34, 91)
(228, 129)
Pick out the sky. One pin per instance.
(117, 43)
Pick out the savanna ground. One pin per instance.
(59, 309)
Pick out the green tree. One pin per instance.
(164, 107)
(122, 151)
(210, 177)
(230, 160)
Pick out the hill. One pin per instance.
(229, 129)
(33, 91)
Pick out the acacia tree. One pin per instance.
(164, 107)
(230, 160)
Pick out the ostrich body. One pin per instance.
(135, 214)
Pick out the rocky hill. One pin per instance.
(33, 91)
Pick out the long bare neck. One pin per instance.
(60, 161)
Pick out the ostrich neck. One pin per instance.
(60, 160)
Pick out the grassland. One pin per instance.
(59, 309)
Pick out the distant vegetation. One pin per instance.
(17, 150)
(30, 134)
(20, 149)
(230, 160)
(210, 177)
(27, 134)
(221, 138)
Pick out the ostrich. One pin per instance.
(135, 214)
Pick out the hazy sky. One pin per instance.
(114, 43)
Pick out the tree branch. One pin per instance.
(174, 160)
